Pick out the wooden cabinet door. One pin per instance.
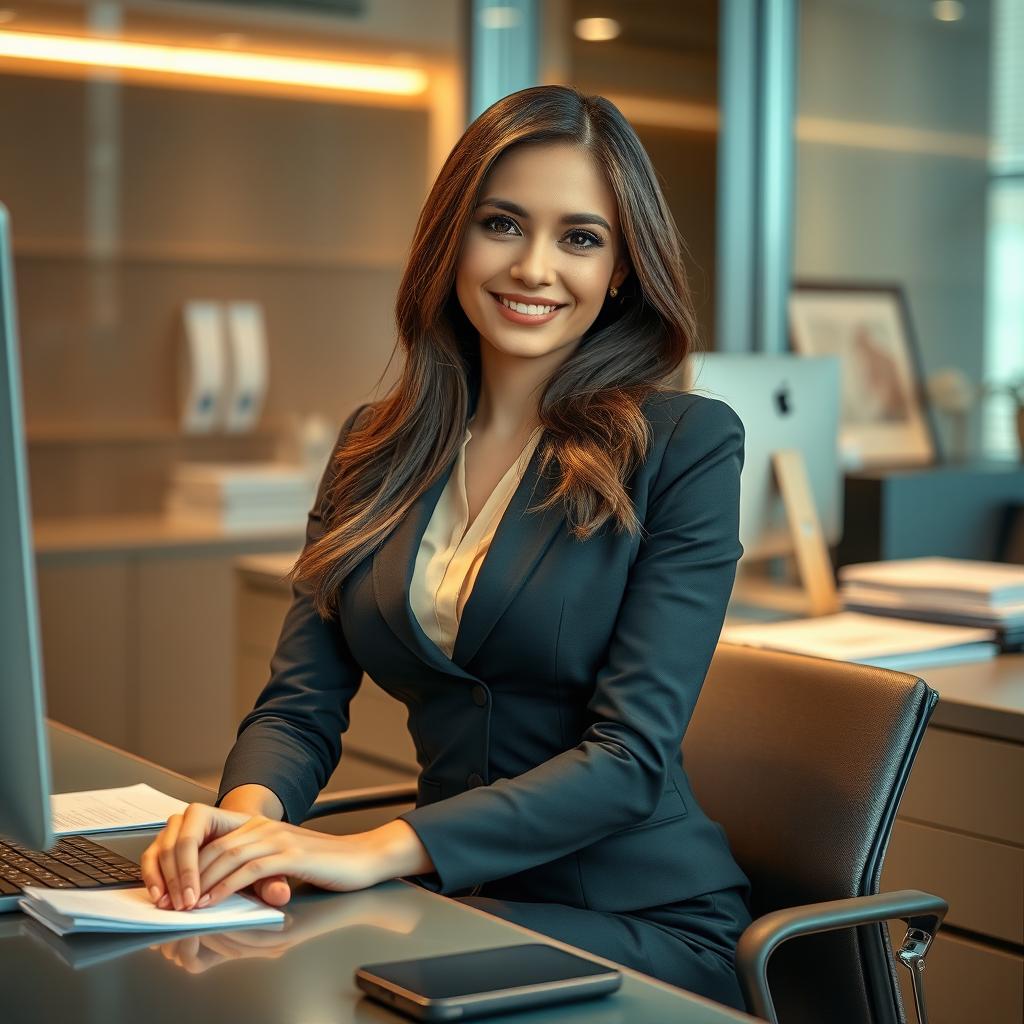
(87, 621)
(185, 658)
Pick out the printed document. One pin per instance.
(112, 810)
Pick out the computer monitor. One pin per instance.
(785, 402)
(24, 752)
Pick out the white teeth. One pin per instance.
(520, 307)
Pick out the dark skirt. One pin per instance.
(690, 944)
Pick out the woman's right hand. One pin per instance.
(170, 864)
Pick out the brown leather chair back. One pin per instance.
(803, 762)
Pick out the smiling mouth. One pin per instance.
(528, 309)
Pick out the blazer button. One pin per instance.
(474, 780)
(479, 696)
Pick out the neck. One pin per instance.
(510, 391)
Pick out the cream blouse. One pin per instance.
(450, 556)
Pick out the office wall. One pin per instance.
(129, 200)
(892, 171)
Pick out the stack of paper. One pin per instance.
(957, 590)
(869, 639)
(112, 810)
(131, 910)
(240, 495)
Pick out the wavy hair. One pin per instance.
(595, 430)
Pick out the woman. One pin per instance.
(550, 655)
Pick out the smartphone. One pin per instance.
(461, 986)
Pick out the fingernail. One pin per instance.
(189, 897)
(154, 893)
(165, 901)
(203, 900)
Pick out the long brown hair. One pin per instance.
(595, 431)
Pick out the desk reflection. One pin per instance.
(310, 913)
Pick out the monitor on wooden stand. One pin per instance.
(791, 493)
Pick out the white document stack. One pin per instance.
(941, 589)
(239, 496)
(869, 639)
(131, 910)
(955, 590)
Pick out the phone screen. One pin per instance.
(487, 970)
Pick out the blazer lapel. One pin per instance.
(519, 542)
(393, 564)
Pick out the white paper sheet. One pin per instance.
(112, 810)
(869, 639)
(131, 910)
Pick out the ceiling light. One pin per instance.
(947, 10)
(597, 30)
(189, 61)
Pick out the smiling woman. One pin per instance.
(543, 267)
(549, 664)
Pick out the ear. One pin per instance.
(621, 272)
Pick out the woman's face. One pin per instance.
(545, 233)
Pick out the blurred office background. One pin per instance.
(848, 140)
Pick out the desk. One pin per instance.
(304, 975)
(960, 834)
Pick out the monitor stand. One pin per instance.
(815, 594)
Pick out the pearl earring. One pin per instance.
(613, 291)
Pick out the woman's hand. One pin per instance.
(207, 853)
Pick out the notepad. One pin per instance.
(112, 810)
(130, 910)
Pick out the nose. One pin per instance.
(533, 267)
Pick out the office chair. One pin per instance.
(803, 761)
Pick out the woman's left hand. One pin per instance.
(263, 848)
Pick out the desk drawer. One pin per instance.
(968, 783)
(982, 881)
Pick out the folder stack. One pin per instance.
(956, 591)
(239, 496)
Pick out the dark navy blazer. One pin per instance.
(549, 743)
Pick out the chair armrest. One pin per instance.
(922, 912)
(362, 799)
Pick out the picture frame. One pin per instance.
(885, 418)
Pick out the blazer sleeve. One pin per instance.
(291, 740)
(659, 653)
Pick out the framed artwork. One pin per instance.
(885, 419)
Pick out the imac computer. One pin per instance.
(24, 754)
(29, 854)
(791, 487)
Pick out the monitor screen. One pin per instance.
(24, 754)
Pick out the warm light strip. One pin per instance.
(183, 60)
(666, 113)
(856, 134)
(893, 137)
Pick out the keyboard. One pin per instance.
(74, 862)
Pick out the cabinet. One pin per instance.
(138, 631)
(960, 834)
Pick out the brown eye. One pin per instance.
(499, 219)
(590, 240)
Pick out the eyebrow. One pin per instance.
(569, 218)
